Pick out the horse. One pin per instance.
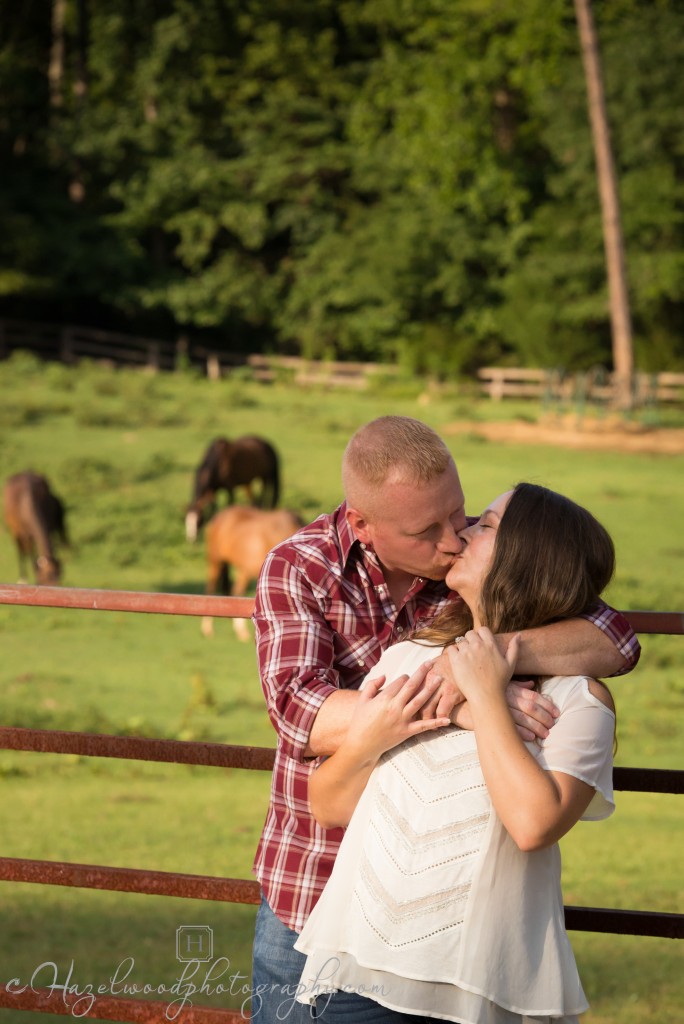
(35, 516)
(230, 464)
(240, 537)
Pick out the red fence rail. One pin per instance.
(90, 876)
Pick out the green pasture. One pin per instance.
(120, 448)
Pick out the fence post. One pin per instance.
(182, 353)
(213, 367)
(153, 356)
(66, 348)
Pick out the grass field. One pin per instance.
(120, 448)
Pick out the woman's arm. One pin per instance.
(383, 718)
(536, 806)
(533, 713)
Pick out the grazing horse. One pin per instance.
(230, 464)
(34, 516)
(240, 537)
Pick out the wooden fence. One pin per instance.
(115, 1008)
(69, 344)
(595, 385)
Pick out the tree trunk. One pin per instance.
(56, 67)
(620, 318)
(82, 73)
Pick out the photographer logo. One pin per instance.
(194, 942)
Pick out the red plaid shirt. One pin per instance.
(323, 616)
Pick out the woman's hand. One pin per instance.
(533, 713)
(478, 665)
(387, 715)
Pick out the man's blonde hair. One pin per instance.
(391, 447)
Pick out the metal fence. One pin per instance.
(233, 890)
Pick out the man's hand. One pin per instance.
(533, 713)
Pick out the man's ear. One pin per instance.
(359, 525)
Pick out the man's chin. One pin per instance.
(437, 573)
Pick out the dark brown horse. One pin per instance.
(239, 538)
(230, 464)
(34, 517)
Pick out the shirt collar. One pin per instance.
(349, 542)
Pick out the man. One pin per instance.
(328, 602)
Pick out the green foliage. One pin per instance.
(409, 182)
(555, 294)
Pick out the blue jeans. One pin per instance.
(276, 971)
(350, 1008)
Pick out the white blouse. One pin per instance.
(431, 908)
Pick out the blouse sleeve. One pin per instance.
(581, 744)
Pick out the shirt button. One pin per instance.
(400, 629)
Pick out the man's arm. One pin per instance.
(331, 724)
(295, 652)
(573, 647)
(296, 658)
(602, 643)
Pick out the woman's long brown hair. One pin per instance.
(552, 559)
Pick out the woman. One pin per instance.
(445, 899)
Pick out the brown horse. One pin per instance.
(240, 537)
(230, 464)
(34, 516)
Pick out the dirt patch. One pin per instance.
(606, 435)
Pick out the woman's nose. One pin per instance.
(464, 535)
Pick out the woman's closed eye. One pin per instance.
(488, 521)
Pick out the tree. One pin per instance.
(621, 322)
(555, 310)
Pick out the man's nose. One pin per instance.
(450, 542)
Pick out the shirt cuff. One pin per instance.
(298, 717)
